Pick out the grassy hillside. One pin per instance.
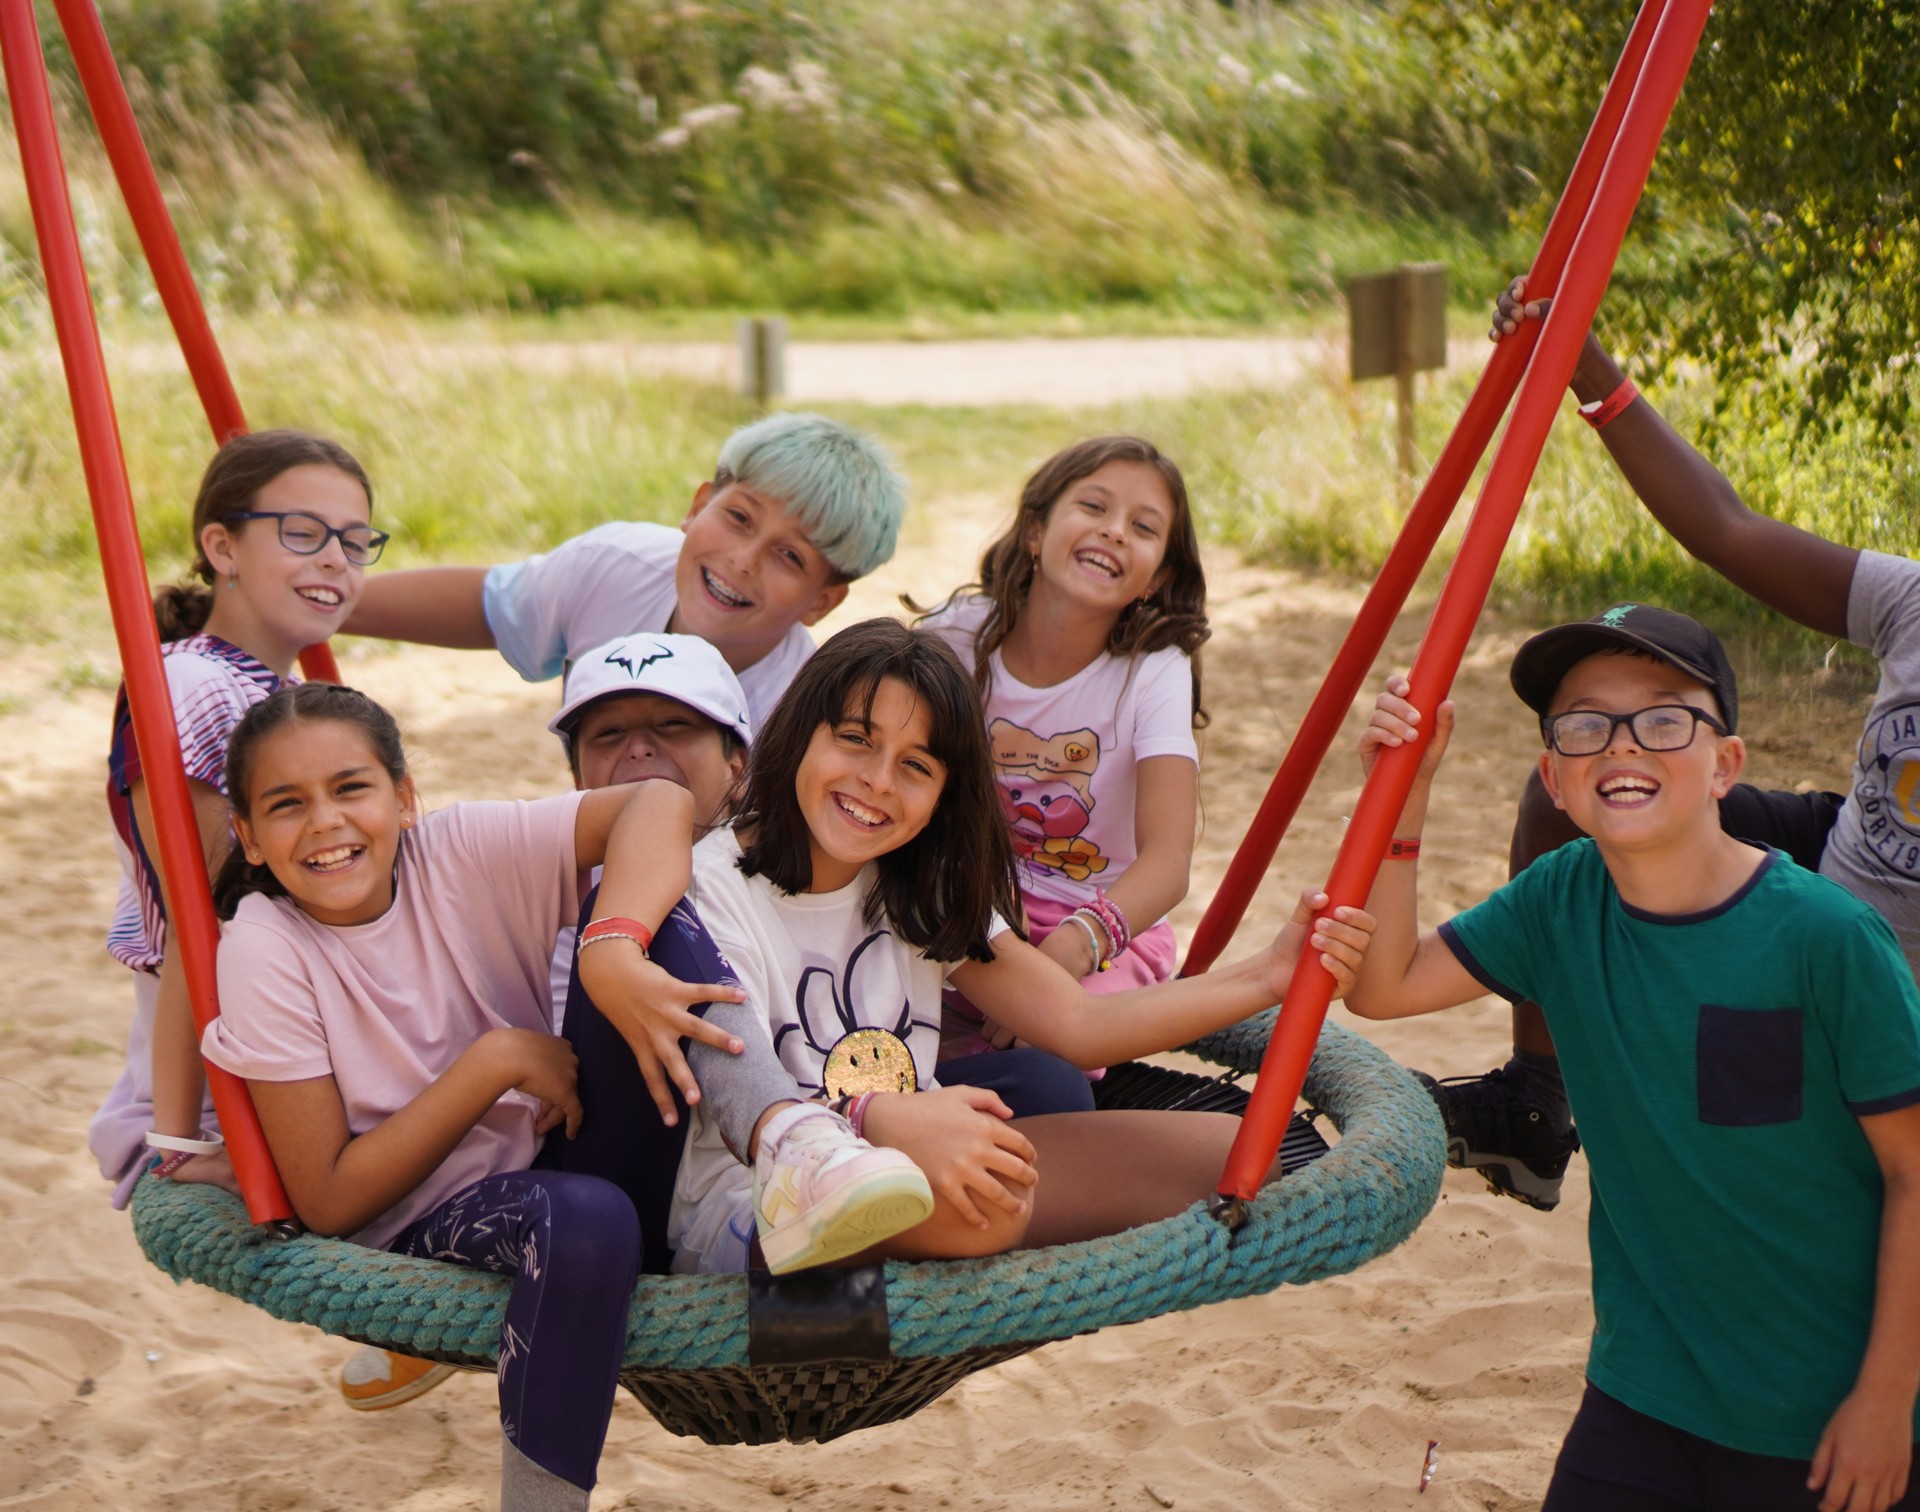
(854, 157)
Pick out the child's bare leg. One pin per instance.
(1512, 1124)
(950, 1235)
(1104, 1172)
(1166, 1162)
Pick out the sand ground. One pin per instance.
(120, 1390)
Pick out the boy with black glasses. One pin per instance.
(1741, 1043)
(1511, 1124)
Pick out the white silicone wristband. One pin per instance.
(187, 1146)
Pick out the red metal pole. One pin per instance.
(194, 930)
(1424, 522)
(140, 187)
(1589, 267)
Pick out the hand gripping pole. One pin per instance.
(194, 930)
(1422, 528)
(140, 188)
(1589, 266)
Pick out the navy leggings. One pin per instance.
(576, 1238)
(1029, 1081)
(623, 1140)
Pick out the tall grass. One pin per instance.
(471, 460)
(1308, 478)
(478, 460)
(850, 157)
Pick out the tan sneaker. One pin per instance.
(378, 1378)
(821, 1193)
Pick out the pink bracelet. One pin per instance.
(1113, 920)
(1094, 919)
(857, 1113)
(1087, 921)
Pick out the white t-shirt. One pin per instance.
(1874, 848)
(614, 580)
(1065, 757)
(387, 1006)
(820, 971)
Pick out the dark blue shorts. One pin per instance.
(1619, 1460)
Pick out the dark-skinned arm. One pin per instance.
(1792, 571)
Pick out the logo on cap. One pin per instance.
(1615, 617)
(634, 669)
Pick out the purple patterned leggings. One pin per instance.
(562, 1235)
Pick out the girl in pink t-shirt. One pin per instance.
(1084, 637)
(376, 976)
(282, 540)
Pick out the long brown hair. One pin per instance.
(939, 891)
(1174, 614)
(230, 485)
(312, 702)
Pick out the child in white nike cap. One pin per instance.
(668, 707)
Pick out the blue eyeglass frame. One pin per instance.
(376, 539)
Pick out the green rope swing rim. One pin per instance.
(1359, 1201)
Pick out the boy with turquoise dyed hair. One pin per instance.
(798, 507)
(1741, 1044)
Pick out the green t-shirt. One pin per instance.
(1718, 1064)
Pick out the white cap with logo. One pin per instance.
(684, 668)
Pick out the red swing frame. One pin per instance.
(1575, 261)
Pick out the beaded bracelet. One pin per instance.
(1080, 917)
(1113, 920)
(1099, 932)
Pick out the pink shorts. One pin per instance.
(1150, 957)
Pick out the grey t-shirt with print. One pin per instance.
(1874, 850)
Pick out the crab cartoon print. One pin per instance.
(854, 1029)
(1046, 792)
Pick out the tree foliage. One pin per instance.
(1779, 241)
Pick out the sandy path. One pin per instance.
(119, 1390)
(1077, 373)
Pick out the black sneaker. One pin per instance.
(1520, 1147)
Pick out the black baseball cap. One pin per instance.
(1681, 642)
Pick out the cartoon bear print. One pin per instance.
(1046, 792)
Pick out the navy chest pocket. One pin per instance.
(1750, 1063)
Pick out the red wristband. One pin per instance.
(1403, 850)
(1601, 411)
(618, 929)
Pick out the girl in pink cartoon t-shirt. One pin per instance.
(1084, 635)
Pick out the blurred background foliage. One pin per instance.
(969, 165)
(856, 156)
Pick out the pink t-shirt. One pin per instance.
(1065, 757)
(480, 891)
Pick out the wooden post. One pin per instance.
(763, 359)
(1397, 324)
